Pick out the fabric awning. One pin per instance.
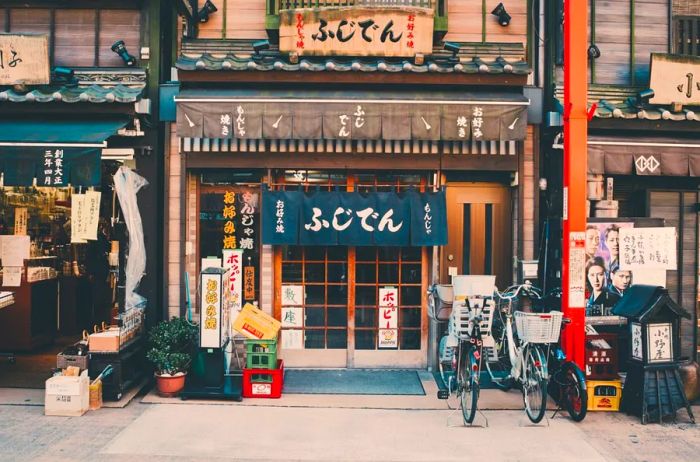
(352, 115)
(55, 152)
(643, 156)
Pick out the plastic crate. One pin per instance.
(260, 354)
(263, 383)
(602, 363)
(604, 395)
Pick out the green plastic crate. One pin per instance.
(261, 354)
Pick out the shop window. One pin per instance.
(687, 35)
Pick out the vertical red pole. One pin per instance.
(575, 169)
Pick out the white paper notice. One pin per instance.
(91, 209)
(292, 295)
(644, 248)
(15, 249)
(77, 203)
(292, 316)
(577, 269)
(388, 338)
(292, 339)
(12, 276)
(21, 221)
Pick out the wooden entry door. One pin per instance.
(479, 227)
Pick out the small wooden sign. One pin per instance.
(675, 79)
(24, 59)
(249, 283)
(353, 31)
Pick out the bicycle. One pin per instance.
(459, 350)
(523, 360)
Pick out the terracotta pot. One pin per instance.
(169, 387)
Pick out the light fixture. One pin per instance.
(502, 15)
(453, 48)
(64, 75)
(120, 48)
(206, 10)
(261, 45)
(593, 51)
(643, 97)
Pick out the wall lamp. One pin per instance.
(120, 48)
(643, 97)
(206, 10)
(502, 15)
(261, 45)
(593, 51)
(453, 48)
(64, 75)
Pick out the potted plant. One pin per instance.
(170, 347)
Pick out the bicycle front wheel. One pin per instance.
(573, 392)
(468, 385)
(534, 384)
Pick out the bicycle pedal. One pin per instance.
(443, 394)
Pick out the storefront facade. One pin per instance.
(384, 147)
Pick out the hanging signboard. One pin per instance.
(352, 218)
(675, 79)
(577, 269)
(21, 221)
(357, 31)
(648, 248)
(249, 283)
(388, 313)
(233, 261)
(636, 341)
(210, 314)
(24, 59)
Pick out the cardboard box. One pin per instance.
(67, 396)
(104, 341)
(255, 323)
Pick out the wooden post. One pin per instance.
(575, 168)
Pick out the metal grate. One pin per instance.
(687, 33)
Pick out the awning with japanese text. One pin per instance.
(352, 115)
(353, 218)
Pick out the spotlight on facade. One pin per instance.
(502, 15)
(261, 45)
(120, 48)
(453, 48)
(206, 10)
(64, 75)
(644, 96)
(593, 51)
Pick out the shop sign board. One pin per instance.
(357, 31)
(24, 59)
(352, 218)
(233, 264)
(388, 311)
(636, 341)
(675, 79)
(577, 269)
(648, 248)
(660, 342)
(210, 316)
(21, 221)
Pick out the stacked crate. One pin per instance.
(263, 376)
(602, 378)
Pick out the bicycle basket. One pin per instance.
(538, 327)
(443, 297)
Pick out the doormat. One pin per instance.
(485, 381)
(352, 382)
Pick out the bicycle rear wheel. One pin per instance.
(573, 392)
(468, 385)
(534, 385)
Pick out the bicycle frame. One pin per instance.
(518, 354)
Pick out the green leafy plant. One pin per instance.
(171, 345)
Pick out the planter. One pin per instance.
(169, 386)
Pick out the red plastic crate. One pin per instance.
(263, 383)
(602, 363)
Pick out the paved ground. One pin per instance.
(193, 431)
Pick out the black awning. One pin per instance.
(643, 156)
(56, 152)
(352, 115)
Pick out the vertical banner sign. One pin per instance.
(77, 216)
(577, 269)
(388, 317)
(292, 295)
(636, 341)
(209, 323)
(249, 283)
(280, 216)
(248, 204)
(53, 173)
(229, 215)
(21, 221)
(92, 214)
(233, 264)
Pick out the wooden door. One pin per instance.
(479, 225)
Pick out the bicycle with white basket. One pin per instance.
(526, 354)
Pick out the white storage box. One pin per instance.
(67, 396)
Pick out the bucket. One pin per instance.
(95, 395)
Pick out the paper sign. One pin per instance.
(21, 221)
(636, 341)
(15, 249)
(233, 260)
(388, 311)
(292, 339)
(210, 316)
(648, 248)
(91, 211)
(77, 215)
(452, 271)
(12, 276)
(292, 295)
(577, 269)
(292, 316)
(388, 338)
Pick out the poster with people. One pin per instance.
(606, 283)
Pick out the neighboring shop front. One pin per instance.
(395, 185)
